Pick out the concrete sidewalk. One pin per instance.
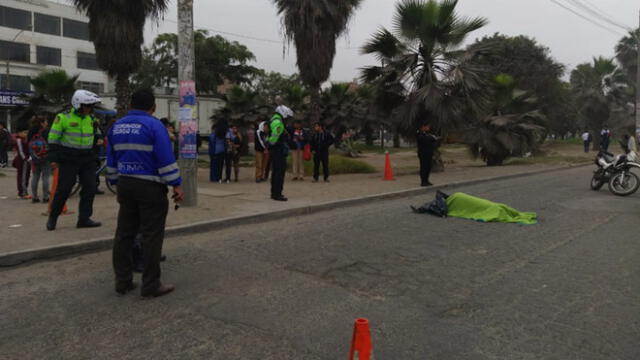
(22, 224)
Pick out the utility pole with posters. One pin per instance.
(187, 115)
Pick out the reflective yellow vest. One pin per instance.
(71, 130)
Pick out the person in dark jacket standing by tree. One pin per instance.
(320, 143)
(427, 143)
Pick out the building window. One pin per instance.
(13, 51)
(87, 61)
(95, 87)
(48, 56)
(75, 29)
(15, 18)
(46, 24)
(18, 83)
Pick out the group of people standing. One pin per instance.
(274, 142)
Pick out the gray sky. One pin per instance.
(571, 39)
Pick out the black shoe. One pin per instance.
(88, 224)
(99, 192)
(163, 258)
(45, 200)
(35, 200)
(160, 291)
(280, 198)
(51, 223)
(124, 288)
(426, 184)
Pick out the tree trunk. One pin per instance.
(123, 94)
(396, 137)
(315, 104)
(368, 135)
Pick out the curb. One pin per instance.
(99, 244)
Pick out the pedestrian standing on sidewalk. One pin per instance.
(234, 142)
(39, 164)
(297, 143)
(5, 144)
(605, 138)
(71, 150)
(278, 151)
(321, 141)
(262, 154)
(427, 144)
(586, 140)
(22, 164)
(217, 150)
(140, 160)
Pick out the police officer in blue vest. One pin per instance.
(140, 160)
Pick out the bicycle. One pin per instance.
(99, 172)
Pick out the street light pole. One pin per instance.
(8, 79)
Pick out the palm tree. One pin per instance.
(314, 26)
(423, 54)
(513, 127)
(52, 90)
(116, 28)
(627, 54)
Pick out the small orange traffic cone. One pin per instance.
(361, 348)
(388, 172)
(52, 193)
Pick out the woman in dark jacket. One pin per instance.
(218, 149)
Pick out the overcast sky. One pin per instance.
(572, 40)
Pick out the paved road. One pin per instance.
(567, 288)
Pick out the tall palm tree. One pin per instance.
(422, 52)
(52, 90)
(627, 54)
(116, 28)
(314, 26)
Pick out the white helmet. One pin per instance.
(284, 111)
(84, 97)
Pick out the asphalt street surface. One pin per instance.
(566, 288)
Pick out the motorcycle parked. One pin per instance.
(616, 170)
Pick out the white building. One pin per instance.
(37, 35)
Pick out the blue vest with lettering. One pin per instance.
(138, 146)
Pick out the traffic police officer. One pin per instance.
(278, 150)
(71, 151)
(140, 160)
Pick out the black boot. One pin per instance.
(88, 223)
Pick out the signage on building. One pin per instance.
(14, 98)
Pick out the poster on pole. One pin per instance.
(188, 134)
(188, 124)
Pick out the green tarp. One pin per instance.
(470, 207)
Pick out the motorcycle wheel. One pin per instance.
(624, 183)
(597, 181)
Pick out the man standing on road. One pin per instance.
(5, 144)
(71, 151)
(426, 147)
(140, 160)
(278, 151)
(605, 138)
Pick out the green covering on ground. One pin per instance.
(470, 207)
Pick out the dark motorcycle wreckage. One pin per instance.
(616, 171)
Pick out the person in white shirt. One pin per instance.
(586, 140)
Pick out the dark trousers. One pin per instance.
(227, 160)
(586, 146)
(426, 162)
(143, 209)
(84, 171)
(278, 169)
(4, 158)
(23, 168)
(321, 158)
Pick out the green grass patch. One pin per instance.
(338, 165)
(574, 141)
(548, 160)
(376, 149)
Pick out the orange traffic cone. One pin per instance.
(361, 348)
(388, 172)
(52, 193)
